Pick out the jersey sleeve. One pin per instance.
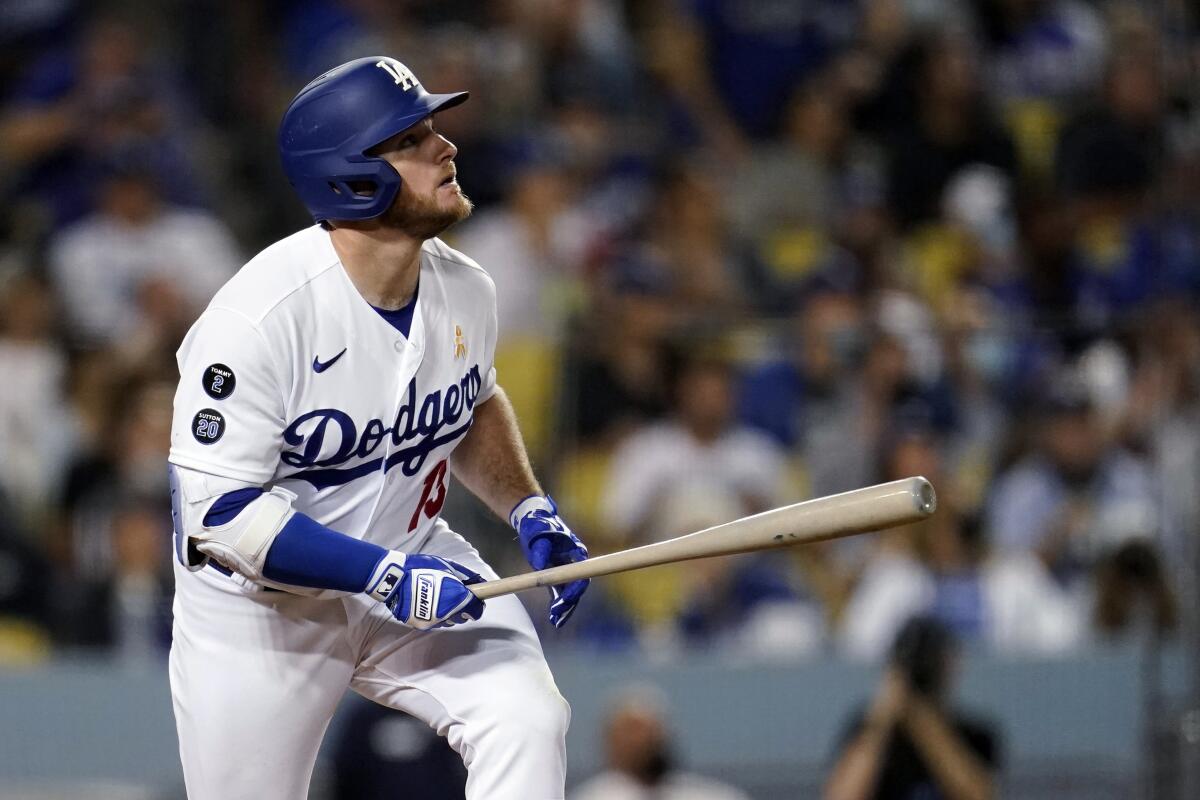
(229, 407)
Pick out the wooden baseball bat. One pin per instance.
(869, 509)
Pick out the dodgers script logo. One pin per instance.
(415, 433)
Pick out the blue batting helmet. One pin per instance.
(330, 125)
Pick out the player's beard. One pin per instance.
(424, 216)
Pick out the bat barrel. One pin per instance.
(868, 509)
(872, 508)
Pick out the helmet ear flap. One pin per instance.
(360, 195)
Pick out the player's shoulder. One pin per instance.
(276, 273)
(455, 263)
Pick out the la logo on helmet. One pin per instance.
(401, 74)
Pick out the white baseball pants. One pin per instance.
(256, 677)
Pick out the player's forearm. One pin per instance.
(491, 460)
(956, 769)
(258, 534)
(306, 553)
(262, 538)
(421, 591)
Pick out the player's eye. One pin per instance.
(408, 141)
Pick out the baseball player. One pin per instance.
(327, 395)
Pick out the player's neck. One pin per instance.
(384, 270)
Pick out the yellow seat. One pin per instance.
(528, 369)
(1034, 125)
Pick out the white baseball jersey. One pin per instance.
(291, 379)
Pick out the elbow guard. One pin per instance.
(241, 543)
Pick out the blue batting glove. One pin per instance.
(426, 592)
(547, 541)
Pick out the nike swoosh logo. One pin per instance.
(321, 366)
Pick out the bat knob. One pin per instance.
(924, 496)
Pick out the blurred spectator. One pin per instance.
(911, 741)
(1163, 417)
(1132, 593)
(949, 127)
(586, 52)
(1050, 50)
(833, 392)
(696, 469)
(816, 377)
(698, 452)
(685, 240)
(139, 266)
(786, 196)
(114, 550)
(1117, 145)
(754, 54)
(1077, 495)
(381, 754)
(640, 759)
(1046, 231)
(694, 115)
(1107, 161)
(619, 355)
(989, 357)
(23, 593)
(942, 568)
(792, 180)
(751, 605)
(974, 245)
(319, 35)
(36, 435)
(141, 586)
(80, 100)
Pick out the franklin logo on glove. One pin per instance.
(425, 593)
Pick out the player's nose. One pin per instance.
(449, 151)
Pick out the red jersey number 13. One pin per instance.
(431, 500)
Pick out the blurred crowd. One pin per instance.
(746, 253)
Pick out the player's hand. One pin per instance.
(426, 592)
(548, 542)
